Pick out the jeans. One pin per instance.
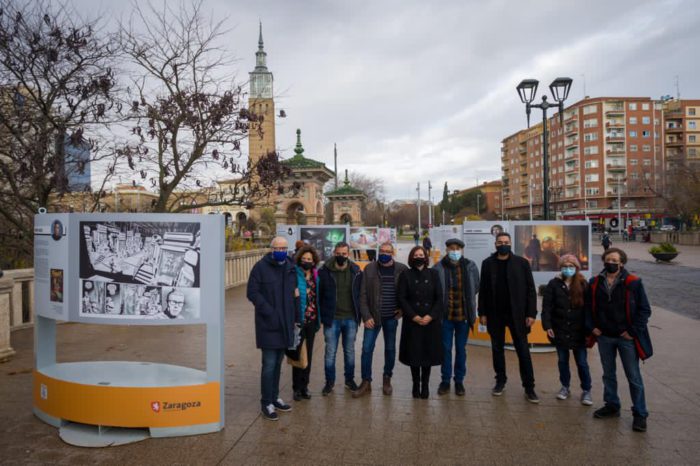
(300, 377)
(497, 332)
(270, 375)
(460, 332)
(348, 329)
(609, 347)
(580, 356)
(388, 326)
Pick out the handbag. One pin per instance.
(298, 357)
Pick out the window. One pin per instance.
(635, 175)
(646, 134)
(633, 106)
(591, 164)
(633, 134)
(646, 148)
(590, 150)
(592, 177)
(633, 120)
(593, 203)
(633, 148)
(645, 106)
(692, 125)
(633, 162)
(646, 120)
(692, 152)
(588, 109)
(590, 123)
(646, 162)
(691, 112)
(590, 137)
(692, 138)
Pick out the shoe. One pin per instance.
(305, 394)
(424, 391)
(281, 405)
(459, 389)
(269, 413)
(531, 396)
(364, 388)
(564, 393)
(639, 424)
(444, 388)
(586, 399)
(297, 395)
(416, 390)
(351, 385)
(606, 411)
(387, 389)
(498, 389)
(327, 389)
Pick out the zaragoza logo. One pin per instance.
(155, 406)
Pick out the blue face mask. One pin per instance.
(454, 255)
(279, 256)
(568, 272)
(384, 258)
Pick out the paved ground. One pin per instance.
(475, 429)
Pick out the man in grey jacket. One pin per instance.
(380, 311)
(459, 277)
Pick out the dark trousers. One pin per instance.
(270, 375)
(497, 331)
(300, 377)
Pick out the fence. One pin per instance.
(685, 238)
(17, 293)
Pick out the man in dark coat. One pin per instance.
(507, 298)
(271, 289)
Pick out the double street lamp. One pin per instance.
(559, 88)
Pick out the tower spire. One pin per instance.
(299, 149)
(260, 55)
(347, 180)
(260, 38)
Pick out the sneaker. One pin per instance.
(351, 385)
(281, 405)
(639, 424)
(564, 393)
(586, 399)
(606, 411)
(498, 389)
(531, 396)
(269, 413)
(444, 388)
(459, 389)
(327, 389)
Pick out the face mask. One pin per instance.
(568, 272)
(418, 261)
(384, 258)
(611, 268)
(455, 255)
(279, 256)
(503, 249)
(341, 260)
(307, 265)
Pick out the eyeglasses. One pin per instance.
(283, 248)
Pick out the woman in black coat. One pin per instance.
(420, 297)
(563, 318)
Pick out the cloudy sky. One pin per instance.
(417, 90)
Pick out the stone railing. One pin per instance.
(685, 238)
(238, 265)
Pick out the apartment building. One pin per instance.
(682, 133)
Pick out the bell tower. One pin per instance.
(260, 102)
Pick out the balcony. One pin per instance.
(615, 124)
(674, 142)
(616, 181)
(616, 168)
(674, 129)
(523, 182)
(615, 110)
(571, 129)
(572, 117)
(571, 143)
(615, 152)
(522, 149)
(572, 183)
(615, 138)
(570, 168)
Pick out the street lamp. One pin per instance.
(559, 88)
(478, 198)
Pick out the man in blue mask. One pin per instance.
(459, 278)
(380, 312)
(272, 288)
(507, 298)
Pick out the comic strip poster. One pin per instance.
(323, 239)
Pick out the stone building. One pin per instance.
(346, 203)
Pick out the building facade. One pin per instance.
(490, 202)
(346, 204)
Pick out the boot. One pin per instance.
(425, 382)
(386, 387)
(364, 388)
(415, 373)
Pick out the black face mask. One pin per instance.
(307, 265)
(611, 268)
(417, 262)
(341, 260)
(503, 249)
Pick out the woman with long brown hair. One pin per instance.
(420, 298)
(563, 318)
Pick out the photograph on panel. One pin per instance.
(543, 245)
(146, 253)
(92, 300)
(323, 239)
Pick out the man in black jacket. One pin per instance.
(507, 298)
(271, 289)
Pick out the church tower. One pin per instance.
(261, 103)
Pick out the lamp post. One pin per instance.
(555, 192)
(559, 88)
(529, 189)
(418, 204)
(478, 198)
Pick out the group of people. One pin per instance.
(294, 297)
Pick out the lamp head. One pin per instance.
(560, 88)
(527, 90)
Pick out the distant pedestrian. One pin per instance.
(617, 313)
(428, 246)
(420, 299)
(563, 318)
(606, 241)
(459, 280)
(416, 238)
(507, 298)
(272, 287)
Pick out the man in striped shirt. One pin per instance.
(380, 311)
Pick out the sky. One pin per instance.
(418, 91)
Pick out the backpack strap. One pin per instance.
(628, 280)
(594, 287)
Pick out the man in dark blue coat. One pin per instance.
(272, 290)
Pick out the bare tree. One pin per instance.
(681, 194)
(56, 90)
(189, 114)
